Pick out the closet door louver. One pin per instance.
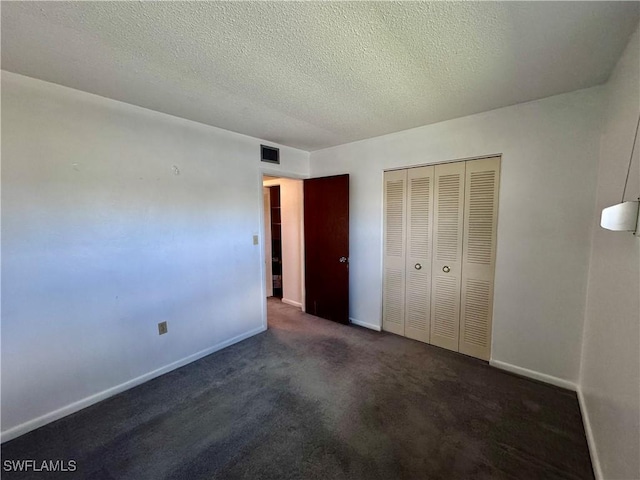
(447, 254)
(478, 260)
(418, 254)
(395, 184)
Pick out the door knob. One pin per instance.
(343, 260)
(418, 266)
(446, 269)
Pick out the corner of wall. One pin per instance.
(604, 374)
(586, 422)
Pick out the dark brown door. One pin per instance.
(326, 243)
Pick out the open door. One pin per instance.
(326, 242)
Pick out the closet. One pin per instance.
(439, 253)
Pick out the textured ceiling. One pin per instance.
(316, 74)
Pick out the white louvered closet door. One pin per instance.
(418, 255)
(394, 241)
(447, 254)
(479, 253)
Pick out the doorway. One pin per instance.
(284, 239)
(309, 249)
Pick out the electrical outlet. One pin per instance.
(162, 328)
(255, 239)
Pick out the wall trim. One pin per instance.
(292, 302)
(74, 407)
(443, 162)
(371, 326)
(525, 372)
(591, 441)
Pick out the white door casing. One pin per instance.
(266, 193)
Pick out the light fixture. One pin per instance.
(624, 216)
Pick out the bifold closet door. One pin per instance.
(447, 254)
(478, 258)
(395, 205)
(419, 220)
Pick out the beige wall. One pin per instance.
(610, 375)
(115, 218)
(549, 166)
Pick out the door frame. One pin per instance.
(266, 194)
(263, 273)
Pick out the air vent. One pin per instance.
(269, 154)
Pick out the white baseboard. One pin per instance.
(525, 372)
(292, 302)
(597, 469)
(110, 392)
(377, 328)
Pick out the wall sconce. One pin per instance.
(625, 216)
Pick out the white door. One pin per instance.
(440, 225)
(266, 193)
(447, 254)
(478, 257)
(393, 302)
(419, 220)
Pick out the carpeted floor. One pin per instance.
(312, 399)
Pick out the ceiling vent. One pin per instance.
(269, 154)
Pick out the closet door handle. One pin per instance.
(446, 269)
(418, 266)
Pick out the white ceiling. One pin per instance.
(317, 74)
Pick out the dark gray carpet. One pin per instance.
(312, 399)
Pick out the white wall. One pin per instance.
(115, 218)
(549, 163)
(291, 210)
(610, 375)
